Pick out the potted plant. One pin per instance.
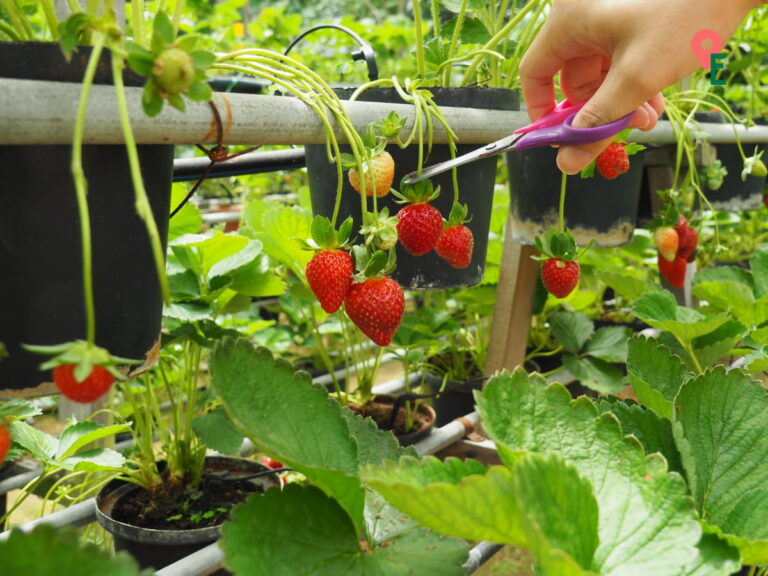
(174, 69)
(347, 527)
(472, 36)
(171, 501)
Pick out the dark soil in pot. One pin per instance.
(380, 411)
(161, 527)
(476, 185)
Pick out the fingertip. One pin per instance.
(572, 159)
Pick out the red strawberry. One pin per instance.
(94, 386)
(673, 271)
(5, 441)
(667, 241)
(376, 306)
(329, 274)
(559, 276)
(419, 227)
(455, 245)
(689, 239)
(380, 172)
(682, 224)
(269, 463)
(613, 161)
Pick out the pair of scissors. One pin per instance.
(555, 128)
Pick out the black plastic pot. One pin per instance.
(424, 409)
(455, 401)
(476, 183)
(159, 548)
(40, 247)
(605, 210)
(735, 194)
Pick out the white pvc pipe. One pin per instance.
(37, 112)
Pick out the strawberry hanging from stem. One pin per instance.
(419, 223)
(329, 272)
(560, 270)
(82, 372)
(456, 243)
(375, 303)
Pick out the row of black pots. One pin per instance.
(40, 247)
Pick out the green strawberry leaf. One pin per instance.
(660, 310)
(277, 226)
(646, 521)
(711, 347)
(595, 374)
(655, 374)
(626, 286)
(309, 533)
(759, 265)
(653, 431)
(572, 329)
(716, 558)
(720, 430)
(49, 551)
(270, 404)
(610, 344)
(524, 505)
(217, 431)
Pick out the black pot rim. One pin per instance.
(117, 489)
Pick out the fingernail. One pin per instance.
(572, 160)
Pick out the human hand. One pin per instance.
(618, 55)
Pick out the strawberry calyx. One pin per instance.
(560, 244)
(379, 230)
(421, 192)
(326, 237)
(458, 215)
(373, 263)
(83, 356)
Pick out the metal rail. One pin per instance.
(37, 112)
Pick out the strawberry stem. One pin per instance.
(561, 212)
(143, 207)
(81, 190)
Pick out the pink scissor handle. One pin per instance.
(557, 116)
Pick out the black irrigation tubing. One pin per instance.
(187, 169)
(227, 478)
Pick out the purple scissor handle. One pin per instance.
(553, 129)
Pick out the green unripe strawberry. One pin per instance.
(758, 169)
(173, 71)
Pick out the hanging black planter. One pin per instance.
(40, 248)
(595, 207)
(476, 183)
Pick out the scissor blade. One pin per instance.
(485, 152)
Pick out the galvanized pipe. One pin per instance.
(199, 563)
(37, 112)
(76, 515)
(446, 435)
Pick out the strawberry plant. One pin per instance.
(367, 533)
(73, 468)
(571, 465)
